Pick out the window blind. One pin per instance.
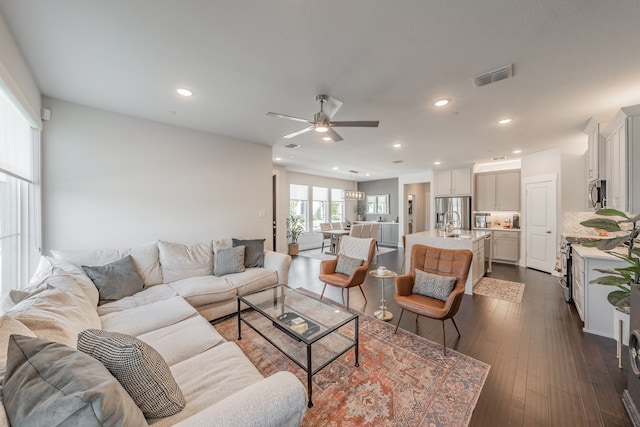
(16, 147)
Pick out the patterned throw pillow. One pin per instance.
(433, 285)
(346, 265)
(139, 368)
(229, 260)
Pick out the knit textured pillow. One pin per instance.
(346, 265)
(139, 368)
(433, 285)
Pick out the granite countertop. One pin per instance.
(588, 252)
(497, 229)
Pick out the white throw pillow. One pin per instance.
(181, 261)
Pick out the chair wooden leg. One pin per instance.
(444, 341)
(454, 324)
(323, 288)
(398, 324)
(365, 297)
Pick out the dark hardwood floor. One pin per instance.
(544, 370)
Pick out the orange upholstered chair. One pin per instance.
(353, 248)
(445, 263)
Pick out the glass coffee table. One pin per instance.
(308, 331)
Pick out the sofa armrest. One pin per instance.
(278, 401)
(280, 263)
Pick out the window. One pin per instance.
(378, 204)
(19, 203)
(337, 206)
(299, 202)
(320, 206)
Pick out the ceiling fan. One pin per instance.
(322, 123)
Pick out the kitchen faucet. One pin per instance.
(450, 224)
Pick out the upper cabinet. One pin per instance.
(453, 182)
(596, 152)
(498, 191)
(622, 140)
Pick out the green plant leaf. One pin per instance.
(615, 298)
(591, 243)
(608, 244)
(602, 224)
(611, 212)
(610, 280)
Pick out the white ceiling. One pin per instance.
(386, 60)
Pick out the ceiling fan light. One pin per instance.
(321, 128)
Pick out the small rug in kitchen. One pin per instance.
(501, 289)
(402, 380)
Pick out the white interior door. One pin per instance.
(541, 222)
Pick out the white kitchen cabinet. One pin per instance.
(478, 260)
(596, 152)
(453, 182)
(506, 246)
(499, 191)
(590, 298)
(622, 140)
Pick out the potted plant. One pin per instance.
(294, 230)
(622, 246)
(621, 278)
(361, 209)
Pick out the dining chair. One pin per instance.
(356, 230)
(373, 232)
(435, 284)
(326, 237)
(336, 226)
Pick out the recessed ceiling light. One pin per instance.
(441, 102)
(517, 151)
(278, 158)
(368, 174)
(436, 163)
(184, 92)
(397, 145)
(505, 121)
(335, 168)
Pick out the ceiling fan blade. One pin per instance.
(284, 116)
(361, 123)
(299, 132)
(335, 137)
(331, 105)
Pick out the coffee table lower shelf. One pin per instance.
(312, 356)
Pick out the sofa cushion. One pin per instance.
(147, 259)
(252, 280)
(58, 313)
(210, 377)
(89, 256)
(183, 340)
(50, 384)
(433, 285)
(180, 261)
(253, 252)
(61, 268)
(44, 269)
(146, 296)
(199, 291)
(148, 317)
(138, 367)
(229, 260)
(16, 295)
(10, 326)
(115, 280)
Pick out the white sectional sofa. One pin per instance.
(219, 384)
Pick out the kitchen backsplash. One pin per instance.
(571, 224)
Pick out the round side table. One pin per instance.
(383, 313)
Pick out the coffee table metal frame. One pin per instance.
(273, 301)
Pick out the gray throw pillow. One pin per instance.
(229, 260)
(116, 280)
(51, 384)
(433, 285)
(346, 265)
(253, 252)
(140, 369)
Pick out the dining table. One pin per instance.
(335, 240)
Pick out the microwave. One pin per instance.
(597, 194)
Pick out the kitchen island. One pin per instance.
(472, 240)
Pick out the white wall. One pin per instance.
(112, 181)
(16, 77)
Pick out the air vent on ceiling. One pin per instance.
(493, 76)
(499, 158)
(292, 145)
(397, 161)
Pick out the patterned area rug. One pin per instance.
(402, 380)
(501, 289)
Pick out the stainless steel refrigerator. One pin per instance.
(460, 205)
